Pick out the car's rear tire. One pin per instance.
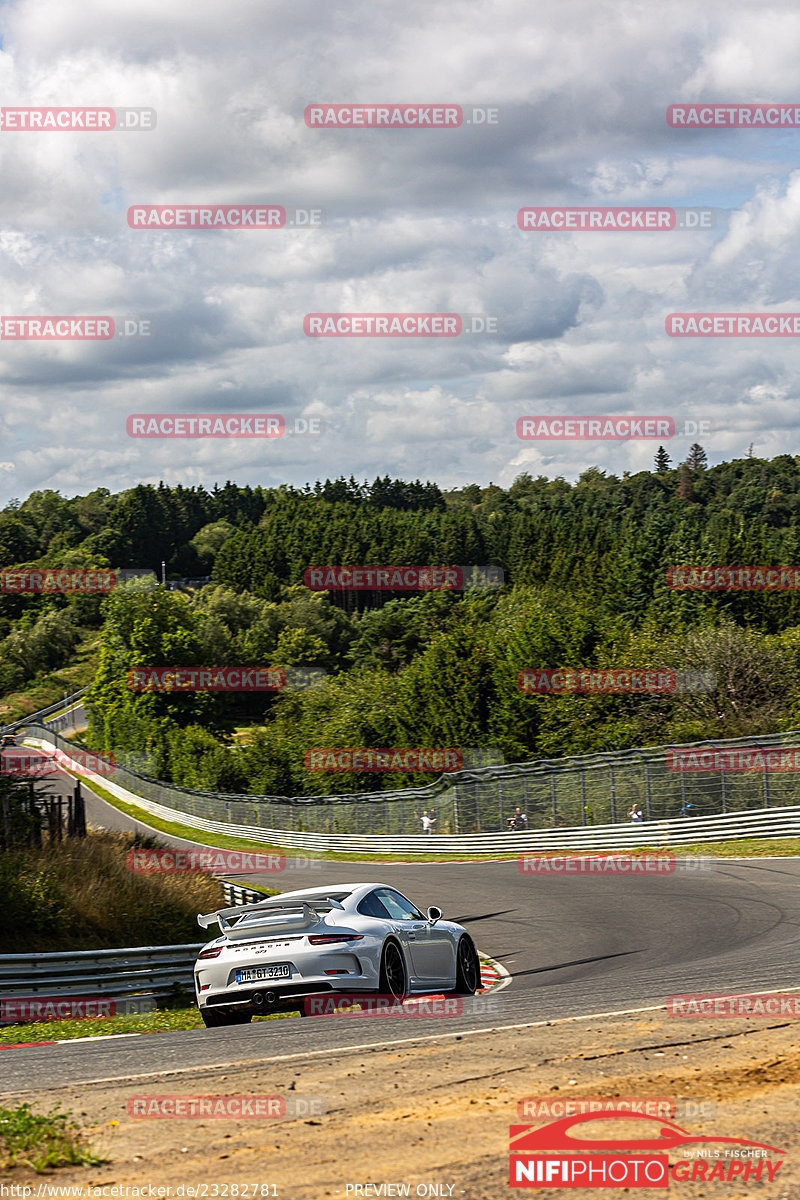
(213, 1018)
(468, 968)
(393, 979)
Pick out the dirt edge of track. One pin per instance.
(435, 1114)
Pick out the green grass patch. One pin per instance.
(42, 1140)
(161, 1021)
(48, 689)
(744, 848)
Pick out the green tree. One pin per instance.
(685, 484)
(662, 461)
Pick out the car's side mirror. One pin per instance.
(434, 915)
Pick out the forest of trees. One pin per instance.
(585, 566)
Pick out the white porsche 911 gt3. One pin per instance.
(351, 938)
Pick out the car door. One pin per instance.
(402, 924)
(430, 947)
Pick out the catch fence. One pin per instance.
(595, 790)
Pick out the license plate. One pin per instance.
(253, 974)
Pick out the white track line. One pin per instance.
(341, 1050)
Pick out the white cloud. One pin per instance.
(415, 221)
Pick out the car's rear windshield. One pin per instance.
(313, 901)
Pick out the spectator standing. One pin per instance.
(426, 821)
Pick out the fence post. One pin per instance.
(613, 786)
(765, 774)
(80, 812)
(583, 795)
(683, 793)
(724, 792)
(6, 824)
(555, 797)
(646, 783)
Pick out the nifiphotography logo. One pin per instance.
(562, 1155)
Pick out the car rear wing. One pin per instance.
(273, 916)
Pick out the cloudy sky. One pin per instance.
(414, 220)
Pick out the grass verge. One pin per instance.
(80, 894)
(47, 689)
(42, 1140)
(162, 1021)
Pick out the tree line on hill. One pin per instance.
(586, 585)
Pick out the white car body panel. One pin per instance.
(276, 932)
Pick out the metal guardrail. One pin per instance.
(234, 894)
(73, 718)
(129, 976)
(61, 706)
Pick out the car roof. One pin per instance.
(332, 889)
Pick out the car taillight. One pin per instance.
(210, 952)
(326, 939)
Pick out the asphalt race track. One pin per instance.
(575, 945)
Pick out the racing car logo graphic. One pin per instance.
(559, 1155)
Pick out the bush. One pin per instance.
(81, 895)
